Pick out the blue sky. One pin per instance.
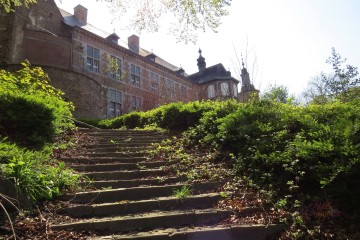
(288, 41)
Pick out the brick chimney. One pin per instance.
(134, 43)
(80, 14)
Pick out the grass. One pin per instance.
(183, 192)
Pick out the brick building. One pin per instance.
(100, 73)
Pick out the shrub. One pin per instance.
(32, 174)
(32, 111)
(26, 121)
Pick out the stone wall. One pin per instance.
(88, 96)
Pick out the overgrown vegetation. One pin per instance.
(296, 156)
(33, 119)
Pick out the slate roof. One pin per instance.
(70, 20)
(216, 72)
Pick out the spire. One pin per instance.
(201, 62)
(245, 77)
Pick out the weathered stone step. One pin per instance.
(125, 175)
(201, 201)
(117, 154)
(118, 166)
(99, 160)
(127, 144)
(136, 193)
(148, 221)
(134, 182)
(130, 137)
(233, 232)
(117, 131)
(119, 147)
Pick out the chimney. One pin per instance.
(133, 43)
(80, 14)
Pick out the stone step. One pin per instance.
(135, 193)
(118, 166)
(202, 201)
(118, 149)
(233, 232)
(148, 221)
(112, 184)
(116, 154)
(117, 131)
(127, 144)
(125, 175)
(102, 160)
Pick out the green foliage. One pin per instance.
(189, 15)
(276, 93)
(278, 144)
(174, 116)
(26, 121)
(33, 111)
(183, 192)
(33, 116)
(9, 5)
(342, 84)
(343, 78)
(32, 173)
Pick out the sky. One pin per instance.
(286, 42)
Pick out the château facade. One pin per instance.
(100, 73)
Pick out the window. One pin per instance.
(155, 80)
(114, 103)
(93, 58)
(211, 91)
(235, 90)
(154, 87)
(154, 77)
(135, 75)
(224, 89)
(170, 88)
(135, 103)
(183, 91)
(115, 68)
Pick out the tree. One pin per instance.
(318, 90)
(10, 5)
(190, 16)
(325, 87)
(343, 78)
(276, 93)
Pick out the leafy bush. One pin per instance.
(174, 116)
(32, 173)
(33, 116)
(26, 121)
(33, 112)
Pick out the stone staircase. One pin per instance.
(134, 198)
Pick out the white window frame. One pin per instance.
(135, 75)
(211, 91)
(135, 103)
(183, 90)
(115, 99)
(92, 59)
(224, 86)
(155, 81)
(170, 85)
(235, 90)
(115, 71)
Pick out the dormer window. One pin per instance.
(151, 57)
(113, 38)
(180, 71)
